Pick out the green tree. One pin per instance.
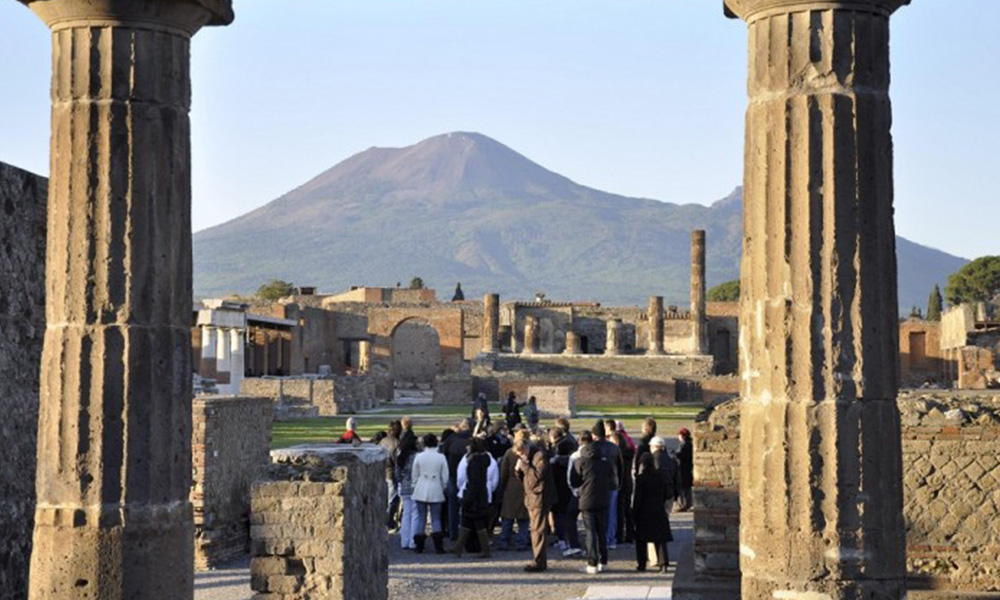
(275, 289)
(459, 294)
(934, 304)
(978, 281)
(725, 292)
(416, 283)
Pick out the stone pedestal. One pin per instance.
(654, 314)
(613, 342)
(572, 343)
(699, 322)
(530, 335)
(113, 520)
(491, 323)
(821, 477)
(318, 525)
(554, 401)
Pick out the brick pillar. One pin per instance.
(530, 327)
(491, 323)
(821, 490)
(699, 323)
(613, 342)
(113, 520)
(655, 316)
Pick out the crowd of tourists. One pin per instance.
(529, 482)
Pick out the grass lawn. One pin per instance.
(436, 418)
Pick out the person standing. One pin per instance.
(477, 478)
(404, 476)
(430, 480)
(685, 456)
(539, 496)
(454, 449)
(596, 469)
(609, 446)
(531, 415)
(478, 404)
(482, 419)
(666, 465)
(561, 449)
(574, 481)
(512, 507)
(652, 521)
(648, 433)
(512, 411)
(624, 530)
(390, 443)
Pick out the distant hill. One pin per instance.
(463, 207)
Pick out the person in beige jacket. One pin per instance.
(430, 480)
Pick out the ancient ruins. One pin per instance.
(801, 488)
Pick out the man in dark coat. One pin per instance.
(685, 457)
(670, 472)
(539, 496)
(652, 522)
(648, 433)
(596, 475)
(454, 448)
(512, 507)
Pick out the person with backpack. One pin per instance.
(596, 471)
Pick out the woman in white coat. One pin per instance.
(430, 480)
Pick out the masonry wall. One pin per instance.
(231, 441)
(951, 470)
(22, 327)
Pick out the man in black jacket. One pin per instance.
(597, 473)
(669, 470)
(454, 448)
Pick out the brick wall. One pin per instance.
(231, 439)
(319, 525)
(951, 484)
(329, 396)
(22, 326)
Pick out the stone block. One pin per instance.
(555, 401)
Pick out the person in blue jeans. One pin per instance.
(454, 449)
(430, 479)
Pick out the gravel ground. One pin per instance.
(433, 577)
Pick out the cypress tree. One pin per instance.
(934, 304)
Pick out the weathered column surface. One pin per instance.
(491, 323)
(572, 343)
(655, 316)
(530, 327)
(821, 491)
(613, 342)
(113, 520)
(699, 322)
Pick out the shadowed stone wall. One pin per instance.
(22, 325)
(318, 525)
(951, 491)
(231, 442)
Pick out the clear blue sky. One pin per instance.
(638, 97)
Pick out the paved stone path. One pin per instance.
(433, 577)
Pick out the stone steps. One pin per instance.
(627, 592)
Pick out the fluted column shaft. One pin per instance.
(113, 519)
(820, 490)
(654, 314)
(491, 323)
(699, 322)
(613, 340)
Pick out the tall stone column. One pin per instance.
(491, 323)
(613, 342)
(237, 360)
(655, 316)
(572, 343)
(699, 322)
(530, 329)
(113, 520)
(209, 362)
(223, 356)
(365, 358)
(821, 478)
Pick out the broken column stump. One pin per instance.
(318, 525)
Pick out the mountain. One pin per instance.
(463, 207)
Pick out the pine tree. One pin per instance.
(459, 294)
(934, 304)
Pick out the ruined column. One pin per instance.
(365, 358)
(208, 366)
(237, 360)
(820, 485)
(113, 520)
(655, 316)
(699, 323)
(572, 343)
(613, 343)
(491, 323)
(530, 327)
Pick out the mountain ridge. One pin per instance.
(464, 207)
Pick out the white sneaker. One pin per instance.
(591, 570)
(612, 546)
(600, 568)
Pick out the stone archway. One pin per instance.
(416, 354)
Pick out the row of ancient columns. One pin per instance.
(222, 357)
(821, 485)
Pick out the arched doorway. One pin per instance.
(416, 355)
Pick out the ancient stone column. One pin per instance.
(530, 327)
(113, 520)
(655, 316)
(699, 322)
(209, 365)
(820, 486)
(572, 343)
(365, 358)
(237, 360)
(613, 343)
(491, 323)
